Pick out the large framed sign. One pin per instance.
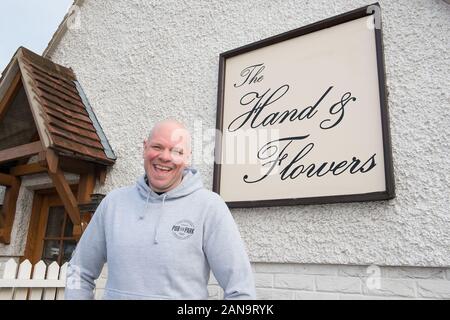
(302, 116)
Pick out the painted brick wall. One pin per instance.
(279, 281)
(337, 282)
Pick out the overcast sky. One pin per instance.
(28, 23)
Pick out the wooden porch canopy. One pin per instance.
(47, 125)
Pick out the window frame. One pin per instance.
(43, 200)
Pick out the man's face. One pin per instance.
(166, 155)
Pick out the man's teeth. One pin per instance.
(163, 168)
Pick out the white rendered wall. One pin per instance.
(143, 61)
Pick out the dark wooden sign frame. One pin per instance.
(389, 192)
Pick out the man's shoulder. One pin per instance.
(120, 192)
(208, 195)
(212, 203)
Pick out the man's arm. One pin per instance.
(226, 254)
(88, 259)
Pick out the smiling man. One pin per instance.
(166, 154)
(162, 236)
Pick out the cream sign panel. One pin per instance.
(303, 117)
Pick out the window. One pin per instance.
(50, 233)
(59, 242)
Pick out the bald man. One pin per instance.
(162, 236)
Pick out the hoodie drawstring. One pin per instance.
(155, 240)
(141, 216)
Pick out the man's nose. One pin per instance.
(165, 155)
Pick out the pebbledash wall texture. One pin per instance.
(143, 61)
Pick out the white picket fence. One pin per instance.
(45, 283)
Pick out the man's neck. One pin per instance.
(147, 182)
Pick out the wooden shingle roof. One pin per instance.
(64, 118)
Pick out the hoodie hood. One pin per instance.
(191, 182)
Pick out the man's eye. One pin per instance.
(177, 152)
(156, 147)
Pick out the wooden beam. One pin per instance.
(6, 179)
(27, 169)
(52, 161)
(10, 94)
(42, 159)
(33, 229)
(9, 209)
(63, 188)
(86, 187)
(19, 152)
(41, 228)
(67, 197)
(101, 174)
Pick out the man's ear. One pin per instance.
(144, 146)
(188, 160)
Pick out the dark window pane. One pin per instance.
(69, 247)
(55, 221)
(69, 227)
(51, 250)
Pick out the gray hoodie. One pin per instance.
(161, 246)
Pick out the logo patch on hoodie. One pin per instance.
(183, 229)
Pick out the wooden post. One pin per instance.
(101, 174)
(85, 189)
(33, 229)
(42, 159)
(9, 210)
